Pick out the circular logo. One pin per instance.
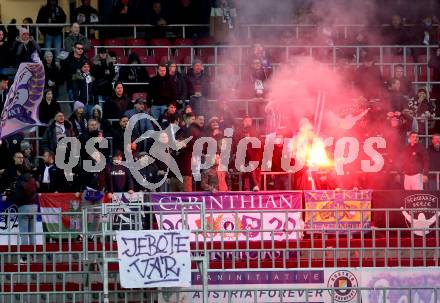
(342, 283)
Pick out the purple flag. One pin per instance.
(21, 107)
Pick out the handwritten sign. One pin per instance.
(154, 258)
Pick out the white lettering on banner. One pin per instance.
(278, 201)
(154, 258)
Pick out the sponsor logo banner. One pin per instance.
(270, 286)
(341, 285)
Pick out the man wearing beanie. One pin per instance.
(78, 118)
(24, 46)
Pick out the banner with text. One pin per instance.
(8, 222)
(9, 231)
(233, 216)
(154, 258)
(407, 209)
(303, 285)
(330, 209)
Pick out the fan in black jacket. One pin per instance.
(51, 177)
(57, 130)
(23, 47)
(103, 71)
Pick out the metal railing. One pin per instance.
(71, 270)
(341, 30)
(240, 55)
(136, 28)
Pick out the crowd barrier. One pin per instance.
(298, 246)
(248, 30)
(305, 246)
(215, 56)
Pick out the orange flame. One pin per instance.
(310, 148)
(317, 155)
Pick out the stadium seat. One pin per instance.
(116, 42)
(122, 59)
(91, 51)
(118, 52)
(205, 53)
(158, 53)
(151, 70)
(183, 52)
(410, 70)
(137, 42)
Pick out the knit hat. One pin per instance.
(77, 105)
(24, 30)
(213, 119)
(196, 61)
(25, 145)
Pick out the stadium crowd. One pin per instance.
(104, 97)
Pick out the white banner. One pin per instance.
(401, 279)
(127, 198)
(9, 230)
(154, 258)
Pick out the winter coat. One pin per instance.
(46, 112)
(104, 73)
(161, 90)
(23, 51)
(70, 66)
(50, 141)
(57, 179)
(198, 83)
(115, 106)
(71, 39)
(51, 14)
(83, 88)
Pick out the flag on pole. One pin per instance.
(21, 107)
